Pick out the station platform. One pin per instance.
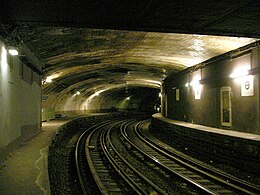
(207, 129)
(25, 171)
(219, 143)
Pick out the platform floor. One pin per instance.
(230, 133)
(25, 170)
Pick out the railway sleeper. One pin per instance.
(99, 164)
(194, 176)
(180, 169)
(95, 157)
(165, 161)
(215, 187)
(111, 184)
(153, 153)
(116, 190)
(138, 155)
(105, 178)
(203, 181)
(187, 173)
(175, 167)
(224, 191)
(100, 167)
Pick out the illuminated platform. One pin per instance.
(25, 171)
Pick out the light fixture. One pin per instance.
(239, 73)
(195, 82)
(13, 52)
(96, 94)
(48, 80)
(197, 87)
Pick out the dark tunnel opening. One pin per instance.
(132, 99)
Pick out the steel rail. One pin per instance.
(219, 176)
(77, 153)
(156, 161)
(105, 135)
(140, 190)
(105, 183)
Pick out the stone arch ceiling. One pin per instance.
(103, 57)
(91, 46)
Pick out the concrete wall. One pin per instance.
(20, 99)
(200, 103)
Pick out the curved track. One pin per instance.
(202, 176)
(123, 160)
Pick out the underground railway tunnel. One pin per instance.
(173, 58)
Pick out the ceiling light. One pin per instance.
(96, 94)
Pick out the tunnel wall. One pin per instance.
(20, 99)
(205, 94)
(140, 100)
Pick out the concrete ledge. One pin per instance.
(230, 133)
(218, 142)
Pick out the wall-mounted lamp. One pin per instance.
(48, 80)
(195, 82)
(239, 73)
(197, 87)
(13, 52)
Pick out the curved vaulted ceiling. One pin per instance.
(80, 53)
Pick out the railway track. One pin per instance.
(80, 158)
(122, 160)
(202, 176)
(102, 165)
(112, 173)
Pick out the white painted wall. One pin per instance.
(20, 99)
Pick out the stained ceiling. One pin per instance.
(84, 57)
(92, 46)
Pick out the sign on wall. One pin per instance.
(177, 94)
(247, 86)
(0, 78)
(197, 91)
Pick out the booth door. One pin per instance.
(226, 112)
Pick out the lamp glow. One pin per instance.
(48, 80)
(239, 73)
(96, 94)
(195, 82)
(13, 52)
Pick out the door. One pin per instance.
(226, 112)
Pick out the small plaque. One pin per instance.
(247, 86)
